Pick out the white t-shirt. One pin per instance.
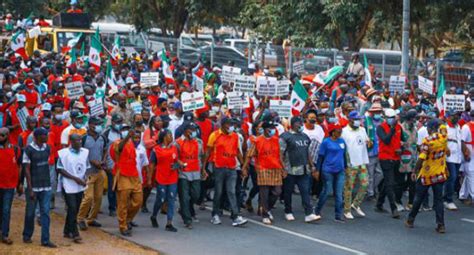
(142, 160)
(76, 164)
(175, 123)
(454, 146)
(66, 132)
(466, 137)
(422, 134)
(315, 134)
(356, 142)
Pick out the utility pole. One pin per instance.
(405, 37)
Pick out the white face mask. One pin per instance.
(215, 109)
(171, 92)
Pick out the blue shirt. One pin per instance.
(334, 155)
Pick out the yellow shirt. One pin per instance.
(433, 152)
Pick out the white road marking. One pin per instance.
(467, 220)
(317, 240)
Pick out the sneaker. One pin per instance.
(112, 214)
(216, 220)
(409, 223)
(82, 225)
(126, 233)
(399, 207)
(380, 209)
(248, 206)
(450, 206)
(270, 215)
(289, 217)
(408, 207)
(94, 224)
(7, 241)
(358, 210)
(266, 221)
(145, 210)
(49, 245)
(339, 220)
(195, 219)
(348, 216)
(154, 222)
(426, 208)
(395, 214)
(312, 217)
(170, 228)
(441, 229)
(239, 221)
(371, 198)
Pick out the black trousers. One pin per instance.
(389, 167)
(420, 195)
(73, 202)
(403, 182)
(268, 195)
(188, 192)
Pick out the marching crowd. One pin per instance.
(353, 139)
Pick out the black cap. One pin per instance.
(188, 116)
(226, 120)
(269, 124)
(95, 120)
(40, 131)
(295, 120)
(190, 125)
(165, 117)
(116, 117)
(76, 114)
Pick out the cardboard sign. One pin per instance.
(237, 100)
(229, 73)
(34, 32)
(425, 85)
(136, 107)
(397, 84)
(149, 79)
(96, 108)
(198, 83)
(454, 102)
(22, 115)
(192, 101)
(283, 88)
(244, 83)
(282, 107)
(266, 86)
(298, 67)
(74, 89)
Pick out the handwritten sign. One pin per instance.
(22, 114)
(283, 88)
(298, 67)
(149, 79)
(237, 100)
(454, 102)
(229, 73)
(244, 83)
(74, 89)
(282, 107)
(397, 84)
(266, 86)
(425, 85)
(96, 108)
(192, 101)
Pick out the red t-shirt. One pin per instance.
(165, 158)
(9, 171)
(207, 128)
(127, 161)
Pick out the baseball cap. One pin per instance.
(354, 115)
(269, 124)
(390, 113)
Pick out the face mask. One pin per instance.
(58, 117)
(215, 109)
(266, 71)
(139, 123)
(124, 133)
(391, 121)
(300, 129)
(272, 132)
(324, 110)
(77, 125)
(193, 134)
(312, 121)
(231, 129)
(377, 116)
(98, 129)
(419, 97)
(136, 143)
(10, 94)
(171, 92)
(166, 124)
(89, 97)
(356, 123)
(117, 127)
(260, 131)
(332, 120)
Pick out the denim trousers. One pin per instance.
(228, 178)
(303, 182)
(43, 198)
(333, 181)
(165, 193)
(6, 200)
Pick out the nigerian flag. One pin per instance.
(94, 52)
(327, 76)
(368, 75)
(440, 96)
(298, 98)
(110, 75)
(72, 57)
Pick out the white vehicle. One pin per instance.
(130, 40)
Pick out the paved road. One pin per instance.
(375, 234)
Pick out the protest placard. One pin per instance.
(266, 86)
(198, 83)
(244, 83)
(149, 79)
(283, 88)
(282, 107)
(425, 85)
(74, 89)
(229, 73)
(192, 101)
(397, 84)
(298, 67)
(96, 108)
(136, 107)
(22, 114)
(237, 100)
(454, 102)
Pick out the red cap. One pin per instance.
(202, 110)
(29, 82)
(332, 127)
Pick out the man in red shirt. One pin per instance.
(9, 176)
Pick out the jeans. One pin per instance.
(375, 175)
(188, 192)
(165, 193)
(421, 192)
(268, 195)
(73, 202)
(43, 198)
(389, 167)
(303, 185)
(453, 169)
(111, 195)
(6, 200)
(229, 178)
(333, 181)
(403, 182)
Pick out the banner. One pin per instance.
(192, 101)
(96, 107)
(282, 107)
(298, 67)
(22, 115)
(266, 86)
(237, 100)
(229, 73)
(425, 85)
(198, 83)
(149, 79)
(244, 83)
(283, 88)
(74, 89)
(397, 84)
(454, 102)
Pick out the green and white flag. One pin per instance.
(110, 75)
(116, 48)
(94, 52)
(327, 76)
(298, 98)
(72, 57)
(368, 75)
(440, 96)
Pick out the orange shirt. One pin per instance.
(189, 154)
(127, 162)
(268, 153)
(225, 149)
